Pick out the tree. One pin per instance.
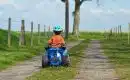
(76, 14)
(66, 17)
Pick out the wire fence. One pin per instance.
(120, 32)
(23, 28)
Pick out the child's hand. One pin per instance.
(49, 45)
(63, 45)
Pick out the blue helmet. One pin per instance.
(57, 28)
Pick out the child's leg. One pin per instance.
(65, 53)
(65, 58)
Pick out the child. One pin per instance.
(56, 40)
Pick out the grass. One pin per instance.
(87, 35)
(11, 55)
(92, 35)
(62, 73)
(118, 52)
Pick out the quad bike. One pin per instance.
(55, 57)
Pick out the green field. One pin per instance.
(11, 55)
(118, 52)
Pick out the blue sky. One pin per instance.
(111, 13)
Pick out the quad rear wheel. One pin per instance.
(66, 61)
(44, 61)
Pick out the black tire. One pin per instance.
(44, 61)
(66, 61)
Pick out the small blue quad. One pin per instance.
(55, 57)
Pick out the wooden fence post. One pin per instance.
(44, 30)
(110, 34)
(22, 34)
(104, 34)
(120, 32)
(116, 33)
(129, 33)
(48, 31)
(9, 32)
(38, 33)
(113, 33)
(31, 33)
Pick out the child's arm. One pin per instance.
(49, 42)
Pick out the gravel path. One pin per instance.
(95, 65)
(25, 69)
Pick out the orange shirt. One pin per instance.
(56, 41)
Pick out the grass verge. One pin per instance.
(119, 54)
(62, 73)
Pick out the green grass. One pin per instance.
(62, 73)
(11, 55)
(87, 35)
(91, 35)
(118, 52)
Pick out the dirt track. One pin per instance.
(25, 69)
(95, 65)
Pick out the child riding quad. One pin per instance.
(56, 53)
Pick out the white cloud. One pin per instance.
(18, 7)
(4, 2)
(39, 5)
(125, 11)
(11, 2)
(110, 12)
(51, 12)
(96, 11)
(100, 11)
